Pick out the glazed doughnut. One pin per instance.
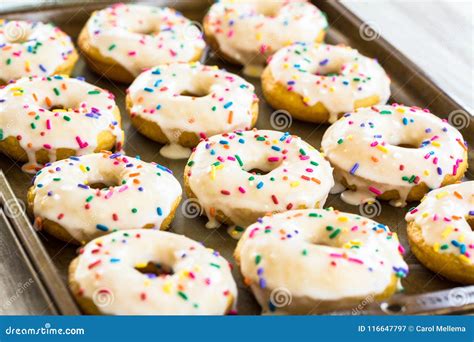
(34, 48)
(45, 119)
(177, 104)
(319, 260)
(150, 272)
(393, 153)
(81, 198)
(122, 40)
(319, 82)
(238, 177)
(440, 231)
(248, 32)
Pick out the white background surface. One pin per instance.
(436, 35)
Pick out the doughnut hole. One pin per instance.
(104, 179)
(268, 9)
(198, 87)
(101, 186)
(153, 270)
(146, 28)
(329, 70)
(193, 94)
(147, 31)
(407, 142)
(57, 107)
(331, 66)
(406, 136)
(257, 171)
(406, 146)
(329, 237)
(261, 168)
(51, 105)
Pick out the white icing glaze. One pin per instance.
(298, 176)
(201, 283)
(175, 151)
(25, 113)
(364, 149)
(337, 188)
(442, 218)
(139, 194)
(225, 104)
(121, 32)
(318, 255)
(251, 31)
(356, 197)
(306, 70)
(31, 48)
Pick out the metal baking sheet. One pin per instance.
(409, 86)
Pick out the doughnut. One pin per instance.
(80, 198)
(319, 82)
(248, 32)
(238, 177)
(48, 118)
(123, 39)
(177, 104)
(306, 261)
(151, 272)
(440, 231)
(34, 49)
(393, 153)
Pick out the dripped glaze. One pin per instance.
(27, 113)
